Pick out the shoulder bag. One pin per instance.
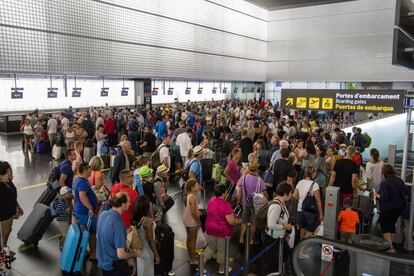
(309, 203)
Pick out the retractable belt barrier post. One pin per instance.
(227, 256)
(201, 263)
(247, 244)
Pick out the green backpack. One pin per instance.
(367, 140)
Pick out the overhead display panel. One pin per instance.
(383, 101)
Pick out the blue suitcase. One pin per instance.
(74, 250)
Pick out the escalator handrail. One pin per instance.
(402, 259)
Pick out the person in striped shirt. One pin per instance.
(61, 208)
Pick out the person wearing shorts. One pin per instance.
(85, 205)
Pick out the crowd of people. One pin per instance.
(272, 161)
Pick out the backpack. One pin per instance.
(367, 140)
(309, 203)
(216, 175)
(155, 157)
(260, 219)
(104, 149)
(185, 174)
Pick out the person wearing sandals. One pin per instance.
(9, 207)
(146, 229)
(219, 225)
(191, 218)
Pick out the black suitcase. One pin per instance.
(165, 245)
(48, 195)
(35, 225)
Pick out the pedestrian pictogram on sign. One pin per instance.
(327, 103)
(327, 252)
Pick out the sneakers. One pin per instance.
(222, 272)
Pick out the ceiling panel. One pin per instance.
(288, 4)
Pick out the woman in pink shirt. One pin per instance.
(219, 225)
(232, 171)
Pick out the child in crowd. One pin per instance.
(347, 221)
(342, 151)
(357, 157)
(138, 164)
(61, 208)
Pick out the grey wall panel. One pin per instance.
(32, 51)
(348, 41)
(94, 37)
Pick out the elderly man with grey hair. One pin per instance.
(122, 161)
(283, 144)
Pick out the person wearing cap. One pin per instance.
(160, 189)
(347, 221)
(62, 207)
(342, 150)
(127, 180)
(194, 165)
(248, 185)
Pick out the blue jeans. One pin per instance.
(133, 138)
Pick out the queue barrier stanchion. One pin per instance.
(201, 263)
(247, 244)
(227, 256)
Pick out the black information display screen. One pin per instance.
(382, 101)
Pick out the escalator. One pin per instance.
(348, 260)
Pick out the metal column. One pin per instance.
(392, 151)
(406, 146)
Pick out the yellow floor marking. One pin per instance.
(30, 187)
(183, 245)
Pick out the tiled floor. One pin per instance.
(32, 169)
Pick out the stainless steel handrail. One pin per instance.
(407, 260)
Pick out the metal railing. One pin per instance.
(398, 259)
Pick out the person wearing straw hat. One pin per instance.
(160, 189)
(247, 186)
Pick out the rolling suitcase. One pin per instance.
(88, 153)
(165, 245)
(74, 250)
(365, 203)
(35, 225)
(52, 188)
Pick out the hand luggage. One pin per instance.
(216, 174)
(35, 225)
(365, 203)
(52, 188)
(74, 250)
(164, 236)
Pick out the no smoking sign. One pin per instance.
(327, 252)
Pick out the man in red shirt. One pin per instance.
(110, 130)
(127, 179)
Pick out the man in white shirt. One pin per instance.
(64, 122)
(52, 130)
(184, 143)
(165, 156)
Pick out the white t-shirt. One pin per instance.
(184, 143)
(374, 171)
(65, 123)
(28, 130)
(303, 187)
(165, 153)
(52, 125)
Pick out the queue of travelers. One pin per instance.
(267, 157)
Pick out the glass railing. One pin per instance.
(346, 259)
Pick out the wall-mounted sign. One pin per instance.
(214, 91)
(52, 92)
(155, 91)
(244, 90)
(104, 91)
(170, 91)
(253, 90)
(124, 91)
(224, 90)
(17, 93)
(235, 90)
(383, 101)
(76, 92)
(188, 90)
(200, 90)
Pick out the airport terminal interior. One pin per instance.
(206, 137)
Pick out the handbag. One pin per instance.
(134, 241)
(259, 198)
(268, 178)
(309, 203)
(168, 203)
(201, 239)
